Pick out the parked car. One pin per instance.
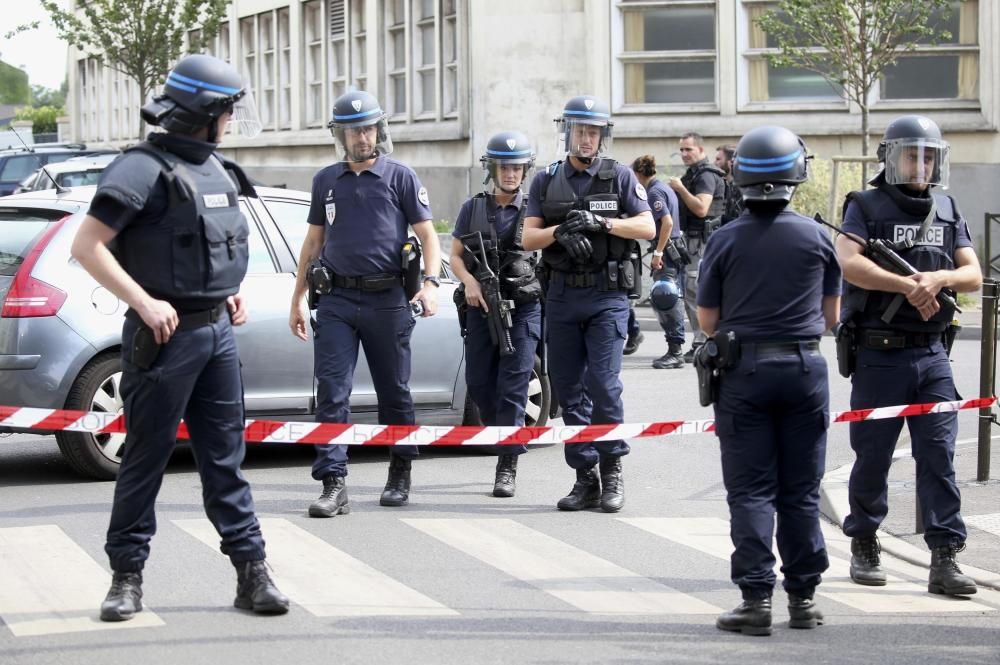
(74, 172)
(60, 331)
(18, 164)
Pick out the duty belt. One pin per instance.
(882, 340)
(377, 282)
(764, 349)
(577, 279)
(190, 320)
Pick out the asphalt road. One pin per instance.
(458, 576)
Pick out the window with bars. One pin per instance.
(668, 52)
(266, 59)
(334, 42)
(90, 92)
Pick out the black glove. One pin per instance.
(576, 244)
(584, 221)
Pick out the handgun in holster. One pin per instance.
(410, 264)
(677, 251)
(950, 335)
(847, 348)
(719, 353)
(145, 348)
(319, 281)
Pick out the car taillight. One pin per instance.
(29, 296)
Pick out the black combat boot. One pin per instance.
(672, 359)
(945, 576)
(503, 486)
(802, 612)
(255, 589)
(124, 597)
(866, 564)
(632, 343)
(612, 485)
(586, 492)
(689, 356)
(751, 617)
(397, 486)
(333, 500)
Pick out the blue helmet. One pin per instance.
(770, 162)
(584, 110)
(353, 110)
(506, 148)
(664, 295)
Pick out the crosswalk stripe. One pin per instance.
(711, 536)
(576, 577)
(48, 584)
(324, 580)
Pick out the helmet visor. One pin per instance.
(916, 161)
(361, 142)
(245, 121)
(507, 174)
(584, 138)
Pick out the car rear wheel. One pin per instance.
(98, 388)
(536, 411)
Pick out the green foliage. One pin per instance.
(42, 96)
(442, 225)
(967, 301)
(14, 87)
(140, 38)
(19, 29)
(43, 117)
(813, 195)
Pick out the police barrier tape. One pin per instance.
(279, 432)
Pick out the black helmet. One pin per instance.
(505, 148)
(917, 140)
(584, 110)
(199, 89)
(770, 161)
(358, 108)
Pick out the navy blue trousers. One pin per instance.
(905, 376)
(499, 384)
(196, 376)
(771, 420)
(586, 334)
(381, 321)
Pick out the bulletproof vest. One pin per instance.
(198, 249)
(696, 225)
(936, 251)
(514, 266)
(733, 206)
(602, 198)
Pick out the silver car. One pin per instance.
(60, 331)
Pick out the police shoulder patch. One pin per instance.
(640, 191)
(422, 196)
(657, 205)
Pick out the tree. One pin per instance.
(14, 88)
(43, 117)
(851, 43)
(19, 29)
(42, 96)
(139, 38)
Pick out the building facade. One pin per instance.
(452, 72)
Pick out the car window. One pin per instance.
(17, 167)
(80, 179)
(57, 157)
(291, 220)
(21, 228)
(260, 257)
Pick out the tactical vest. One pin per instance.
(198, 250)
(602, 198)
(886, 220)
(696, 225)
(514, 266)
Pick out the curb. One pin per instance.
(833, 505)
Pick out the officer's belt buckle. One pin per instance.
(876, 340)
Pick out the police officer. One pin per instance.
(724, 156)
(701, 195)
(773, 405)
(664, 296)
(904, 361)
(170, 205)
(358, 218)
(497, 380)
(585, 214)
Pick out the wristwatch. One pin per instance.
(657, 252)
(432, 279)
(605, 222)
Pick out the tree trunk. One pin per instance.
(865, 144)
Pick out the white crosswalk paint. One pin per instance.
(711, 536)
(48, 584)
(345, 587)
(576, 577)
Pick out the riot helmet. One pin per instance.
(584, 129)
(770, 162)
(507, 148)
(912, 152)
(353, 112)
(664, 295)
(199, 89)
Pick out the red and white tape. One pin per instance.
(278, 432)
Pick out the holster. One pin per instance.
(847, 349)
(458, 296)
(144, 350)
(950, 335)
(707, 372)
(410, 263)
(320, 282)
(711, 226)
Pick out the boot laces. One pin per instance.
(122, 583)
(329, 489)
(947, 557)
(258, 575)
(869, 549)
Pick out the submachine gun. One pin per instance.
(883, 254)
(499, 315)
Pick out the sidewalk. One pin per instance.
(980, 508)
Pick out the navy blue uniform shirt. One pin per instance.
(633, 195)
(506, 215)
(366, 215)
(663, 201)
(768, 276)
